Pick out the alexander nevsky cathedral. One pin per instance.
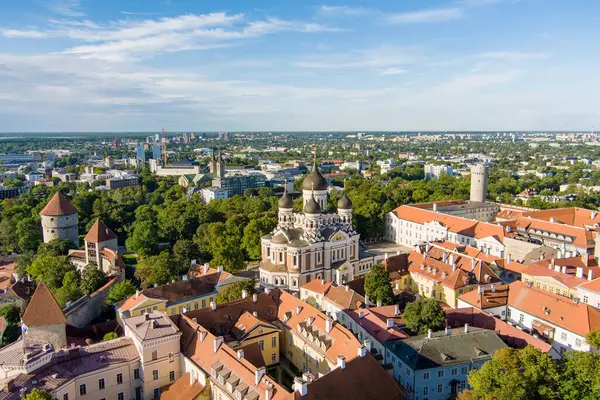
(315, 243)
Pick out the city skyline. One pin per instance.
(473, 65)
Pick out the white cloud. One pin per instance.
(27, 34)
(337, 11)
(67, 8)
(426, 16)
(392, 71)
(376, 58)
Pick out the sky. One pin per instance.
(290, 65)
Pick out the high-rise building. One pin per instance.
(116, 143)
(140, 154)
(156, 151)
(479, 178)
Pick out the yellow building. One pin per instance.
(250, 329)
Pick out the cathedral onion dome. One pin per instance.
(344, 203)
(312, 207)
(314, 178)
(285, 201)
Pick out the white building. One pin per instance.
(435, 171)
(213, 193)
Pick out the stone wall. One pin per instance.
(55, 334)
(83, 311)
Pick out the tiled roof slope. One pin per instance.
(99, 233)
(43, 308)
(57, 206)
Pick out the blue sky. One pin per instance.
(123, 65)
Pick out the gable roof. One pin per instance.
(495, 296)
(318, 286)
(555, 309)
(99, 233)
(57, 206)
(344, 297)
(43, 308)
(183, 388)
(374, 321)
(151, 326)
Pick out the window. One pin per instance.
(136, 373)
(454, 371)
(563, 336)
(274, 357)
(521, 318)
(101, 384)
(155, 374)
(195, 305)
(440, 374)
(261, 344)
(203, 303)
(82, 390)
(172, 376)
(66, 396)
(156, 392)
(425, 391)
(440, 388)
(154, 355)
(578, 342)
(274, 341)
(585, 299)
(463, 370)
(171, 357)
(121, 396)
(119, 379)
(426, 375)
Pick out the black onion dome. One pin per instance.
(314, 180)
(285, 201)
(344, 203)
(312, 207)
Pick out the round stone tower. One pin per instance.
(479, 179)
(59, 220)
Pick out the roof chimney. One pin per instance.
(473, 263)
(244, 294)
(146, 316)
(379, 303)
(184, 278)
(341, 362)
(254, 298)
(590, 274)
(390, 323)
(220, 268)
(493, 288)
(347, 288)
(328, 325)
(368, 344)
(397, 285)
(508, 258)
(429, 334)
(258, 374)
(445, 256)
(397, 309)
(452, 259)
(552, 219)
(448, 332)
(557, 268)
(435, 207)
(466, 328)
(362, 351)
(480, 290)
(579, 272)
(137, 294)
(300, 386)
(298, 310)
(255, 314)
(366, 301)
(593, 216)
(564, 269)
(269, 391)
(217, 343)
(192, 378)
(361, 314)
(240, 354)
(213, 305)
(206, 268)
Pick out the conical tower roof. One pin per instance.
(314, 180)
(43, 308)
(57, 206)
(99, 233)
(344, 203)
(284, 200)
(311, 206)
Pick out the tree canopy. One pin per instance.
(37, 394)
(424, 314)
(160, 269)
(120, 291)
(234, 291)
(378, 285)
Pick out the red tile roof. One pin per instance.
(99, 233)
(374, 321)
(567, 270)
(58, 206)
(318, 286)
(181, 389)
(43, 308)
(490, 298)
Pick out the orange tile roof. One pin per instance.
(558, 310)
(99, 233)
(488, 299)
(344, 297)
(43, 308)
(182, 390)
(318, 286)
(569, 265)
(58, 206)
(374, 321)
(131, 302)
(516, 267)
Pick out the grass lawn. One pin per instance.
(130, 259)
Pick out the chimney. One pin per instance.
(453, 267)
(184, 278)
(493, 288)
(156, 285)
(557, 268)
(447, 331)
(593, 216)
(508, 258)
(328, 325)
(445, 257)
(452, 260)
(258, 374)
(473, 263)
(146, 316)
(386, 256)
(268, 391)
(298, 310)
(429, 334)
(184, 310)
(347, 288)
(267, 290)
(341, 362)
(206, 268)
(579, 272)
(590, 275)
(137, 294)
(193, 262)
(480, 290)
(254, 298)
(217, 343)
(244, 294)
(397, 286)
(240, 354)
(362, 351)
(435, 207)
(552, 220)
(220, 268)
(300, 386)
(564, 269)
(368, 345)
(361, 314)
(192, 378)
(213, 305)
(379, 303)
(202, 336)
(397, 309)
(586, 259)
(366, 301)
(390, 323)
(466, 328)
(9, 386)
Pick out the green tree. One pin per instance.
(29, 234)
(580, 379)
(37, 394)
(92, 279)
(160, 269)
(512, 374)
(253, 232)
(120, 291)
(593, 338)
(70, 289)
(55, 247)
(144, 240)
(11, 313)
(234, 291)
(185, 251)
(50, 269)
(378, 285)
(110, 336)
(423, 314)
(8, 237)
